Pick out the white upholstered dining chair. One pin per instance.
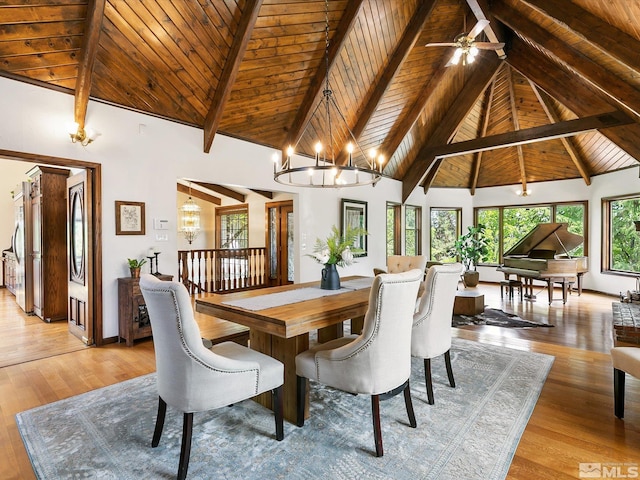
(625, 360)
(431, 335)
(192, 378)
(378, 361)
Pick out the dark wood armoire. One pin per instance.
(49, 256)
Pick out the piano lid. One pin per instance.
(547, 236)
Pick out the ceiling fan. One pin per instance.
(466, 46)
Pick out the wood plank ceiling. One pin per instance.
(255, 69)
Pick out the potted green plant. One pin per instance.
(135, 265)
(336, 250)
(472, 249)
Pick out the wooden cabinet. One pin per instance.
(9, 271)
(133, 319)
(49, 234)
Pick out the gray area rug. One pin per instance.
(471, 432)
(496, 317)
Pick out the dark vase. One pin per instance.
(330, 278)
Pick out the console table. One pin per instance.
(133, 319)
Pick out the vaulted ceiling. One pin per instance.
(561, 100)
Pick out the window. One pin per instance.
(490, 218)
(394, 245)
(505, 226)
(518, 221)
(445, 229)
(413, 230)
(621, 246)
(232, 227)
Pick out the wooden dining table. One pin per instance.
(282, 331)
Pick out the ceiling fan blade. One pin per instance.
(444, 44)
(489, 45)
(478, 28)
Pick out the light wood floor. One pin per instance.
(572, 423)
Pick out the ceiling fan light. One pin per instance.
(456, 56)
(470, 59)
(473, 51)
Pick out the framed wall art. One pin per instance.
(130, 218)
(354, 215)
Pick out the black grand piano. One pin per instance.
(543, 254)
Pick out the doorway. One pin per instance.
(279, 242)
(34, 334)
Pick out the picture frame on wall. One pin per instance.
(130, 218)
(354, 215)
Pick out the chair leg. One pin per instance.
(157, 433)
(447, 362)
(185, 450)
(301, 393)
(427, 379)
(409, 404)
(618, 392)
(278, 411)
(377, 430)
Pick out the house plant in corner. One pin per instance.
(472, 249)
(135, 265)
(336, 251)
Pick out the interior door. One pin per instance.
(280, 242)
(80, 265)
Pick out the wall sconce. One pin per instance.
(80, 135)
(524, 193)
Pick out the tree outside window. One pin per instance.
(413, 230)
(445, 229)
(232, 227)
(623, 239)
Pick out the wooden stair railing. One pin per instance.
(222, 270)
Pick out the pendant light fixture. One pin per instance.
(190, 219)
(330, 166)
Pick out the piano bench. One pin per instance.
(510, 286)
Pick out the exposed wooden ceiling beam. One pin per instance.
(622, 93)
(198, 194)
(227, 192)
(264, 193)
(594, 30)
(482, 74)
(477, 161)
(93, 26)
(406, 43)
(571, 91)
(568, 144)
(516, 126)
(533, 134)
(479, 7)
(316, 86)
(230, 71)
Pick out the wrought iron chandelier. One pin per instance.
(190, 219)
(330, 167)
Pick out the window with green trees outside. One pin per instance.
(623, 243)
(445, 229)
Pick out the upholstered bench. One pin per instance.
(510, 286)
(625, 359)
